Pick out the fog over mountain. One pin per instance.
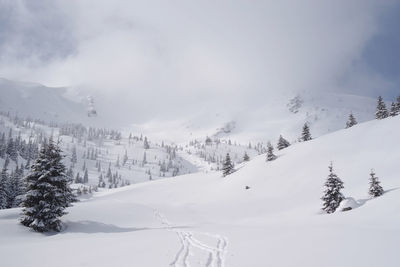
(163, 59)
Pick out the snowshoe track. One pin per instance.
(216, 255)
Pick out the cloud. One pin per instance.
(167, 57)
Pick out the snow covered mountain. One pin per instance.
(40, 102)
(284, 114)
(207, 220)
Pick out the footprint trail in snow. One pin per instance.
(216, 254)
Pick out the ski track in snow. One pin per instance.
(216, 255)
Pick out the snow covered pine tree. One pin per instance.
(381, 110)
(282, 143)
(48, 193)
(393, 110)
(227, 167)
(306, 135)
(3, 187)
(351, 121)
(375, 189)
(332, 195)
(270, 152)
(246, 157)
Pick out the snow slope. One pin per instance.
(325, 112)
(206, 220)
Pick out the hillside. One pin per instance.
(206, 220)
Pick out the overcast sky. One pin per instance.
(186, 53)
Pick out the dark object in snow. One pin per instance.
(347, 209)
(247, 187)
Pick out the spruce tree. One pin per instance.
(381, 110)
(351, 121)
(306, 135)
(246, 157)
(48, 192)
(282, 143)
(398, 105)
(144, 161)
(3, 188)
(332, 195)
(393, 110)
(15, 189)
(375, 189)
(12, 150)
(146, 143)
(227, 166)
(78, 179)
(270, 152)
(74, 158)
(86, 177)
(125, 159)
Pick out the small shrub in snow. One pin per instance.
(332, 195)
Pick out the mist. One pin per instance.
(162, 59)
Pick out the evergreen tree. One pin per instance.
(146, 143)
(398, 105)
(227, 167)
(78, 179)
(282, 143)
(144, 161)
(381, 110)
(375, 189)
(15, 189)
(351, 121)
(125, 159)
(70, 173)
(117, 163)
(306, 135)
(393, 110)
(109, 173)
(86, 177)
(74, 158)
(270, 152)
(3, 188)
(332, 195)
(246, 157)
(11, 149)
(48, 192)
